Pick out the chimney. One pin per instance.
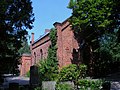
(32, 41)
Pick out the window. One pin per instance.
(41, 54)
(34, 58)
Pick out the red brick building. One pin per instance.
(67, 46)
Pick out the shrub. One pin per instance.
(72, 72)
(47, 72)
(84, 84)
(63, 86)
(82, 70)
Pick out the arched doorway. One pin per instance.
(34, 58)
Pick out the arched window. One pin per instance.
(41, 54)
(34, 58)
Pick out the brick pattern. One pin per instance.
(25, 64)
(39, 49)
(65, 43)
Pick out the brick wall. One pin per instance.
(65, 43)
(25, 64)
(66, 46)
(39, 48)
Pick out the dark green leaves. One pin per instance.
(16, 17)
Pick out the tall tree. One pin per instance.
(94, 16)
(92, 20)
(15, 17)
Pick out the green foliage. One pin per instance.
(25, 48)
(47, 72)
(109, 55)
(110, 44)
(28, 74)
(91, 13)
(96, 24)
(48, 68)
(68, 73)
(53, 38)
(82, 68)
(16, 17)
(84, 84)
(93, 18)
(52, 51)
(37, 88)
(63, 86)
(72, 72)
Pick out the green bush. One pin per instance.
(72, 72)
(82, 70)
(84, 84)
(47, 72)
(63, 86)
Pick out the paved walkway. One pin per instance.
(15, 79)
(114, 79)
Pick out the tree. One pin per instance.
(16, 17)
(91, 21)
(94, 16)
(109, 60)
(25, 48)
(48, 68)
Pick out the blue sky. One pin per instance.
(46, 13)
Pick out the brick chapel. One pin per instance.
(66, 45)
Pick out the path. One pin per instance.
(15, 79)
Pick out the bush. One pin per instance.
(84, 84)
(68, 73)
(72, 72)
(63, 86)
(47, 72)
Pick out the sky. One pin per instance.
(47, 12)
